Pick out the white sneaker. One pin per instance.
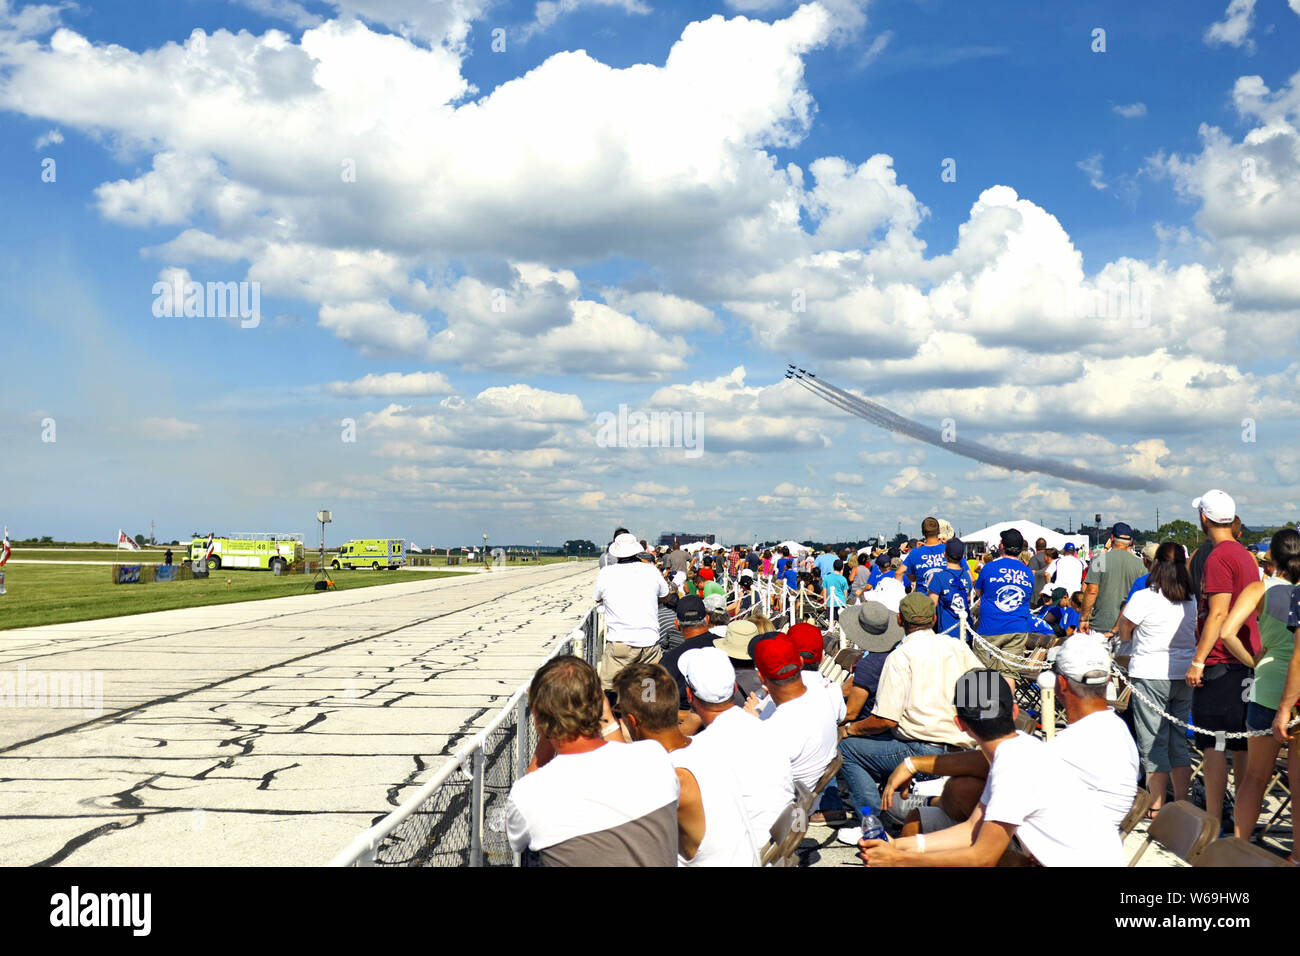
(849, 835)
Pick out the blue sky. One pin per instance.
(649, 220)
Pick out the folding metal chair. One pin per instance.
(1182, 828)
(842, 664)
(1281, 781)
(786, 833)
(1125, 692)
(1141, 804)
(1231, 851)
(828, 775)
(1025, 723)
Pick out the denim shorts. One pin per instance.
(1259, 717)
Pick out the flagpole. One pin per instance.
(4, 559)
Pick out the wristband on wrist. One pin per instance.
(1198, 664)
(920, 843)
(911, 767)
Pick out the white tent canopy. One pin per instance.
(794, 546)
(992, 535)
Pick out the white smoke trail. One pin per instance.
(879, 415)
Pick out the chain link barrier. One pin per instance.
(458, 818)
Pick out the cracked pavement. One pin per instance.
(269, 732)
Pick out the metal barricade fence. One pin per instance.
(458, 818)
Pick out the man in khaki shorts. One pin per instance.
(630, 590)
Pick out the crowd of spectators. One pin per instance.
(705, 713)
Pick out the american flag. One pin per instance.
(208, 546)
(4, 548)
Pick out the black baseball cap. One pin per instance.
(954, 550)
(690, 610)
(983, 695)
(1013, 540)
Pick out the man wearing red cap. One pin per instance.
(811, 645)
(804, 726)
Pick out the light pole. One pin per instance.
(324, 517)
(486, 563)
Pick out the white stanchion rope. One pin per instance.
(1233, 735)
(1118, 672)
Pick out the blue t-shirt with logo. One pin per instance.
(836, 583)
(876, 573)
(1006, 586)
(953, 588)
(923, 559)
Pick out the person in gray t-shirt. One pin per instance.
(1038, 564)
(1110, 581)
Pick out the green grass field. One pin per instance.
(59, 593)
(180, 553)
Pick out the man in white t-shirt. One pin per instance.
(630, 590)
(1067, 571)
(590, 802)
(1095, 744)
(713, 827)
(763, 771)
(1032, 804)
(804, 726)
(809, 641)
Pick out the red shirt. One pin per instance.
(706, 574)
(1229, 569)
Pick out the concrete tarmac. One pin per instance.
(269, 732)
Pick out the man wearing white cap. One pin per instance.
(1221, 674)
(630, 591)
(889, 591)
(763, 772)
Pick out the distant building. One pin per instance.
(685, 537)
